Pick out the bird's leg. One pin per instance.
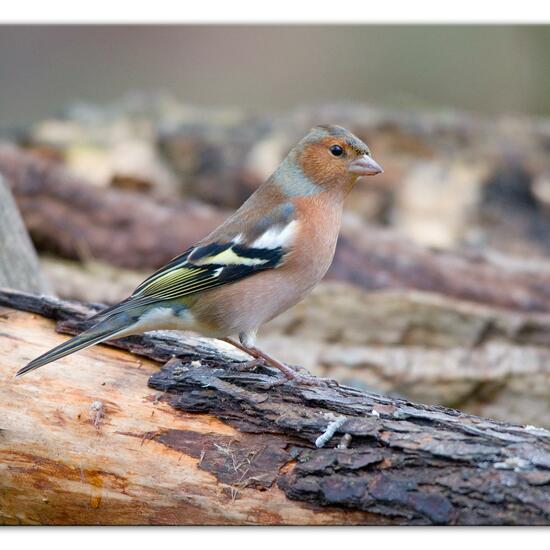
(258, 355)
(258, 358)
(290, 374)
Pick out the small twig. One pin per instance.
(324, 438)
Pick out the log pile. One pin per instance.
(439, 289)
(85, 441)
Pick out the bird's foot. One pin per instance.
(300, 376)
(261, 362)
(291, 373)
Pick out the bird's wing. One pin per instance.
(218, 261)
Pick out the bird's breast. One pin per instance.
(320, 218)
(248, 303)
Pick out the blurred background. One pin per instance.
(123, 145)
(491, 69)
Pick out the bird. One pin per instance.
(261, 261)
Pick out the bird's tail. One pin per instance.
(114, 326)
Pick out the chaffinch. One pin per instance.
(264, 259)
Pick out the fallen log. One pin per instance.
(85, 441)
(377, 258)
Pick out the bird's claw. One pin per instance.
(292, 374)
(261, 362)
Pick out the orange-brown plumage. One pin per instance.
(321, 167)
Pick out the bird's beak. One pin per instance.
(365, 166)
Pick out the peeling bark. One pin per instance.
(406, 463)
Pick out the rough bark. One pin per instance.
(19, 267)
(75, 220)
(486, 360)
(84, 442)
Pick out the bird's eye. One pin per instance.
(336, 150)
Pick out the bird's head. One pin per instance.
(328, 158)
(331, 156)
